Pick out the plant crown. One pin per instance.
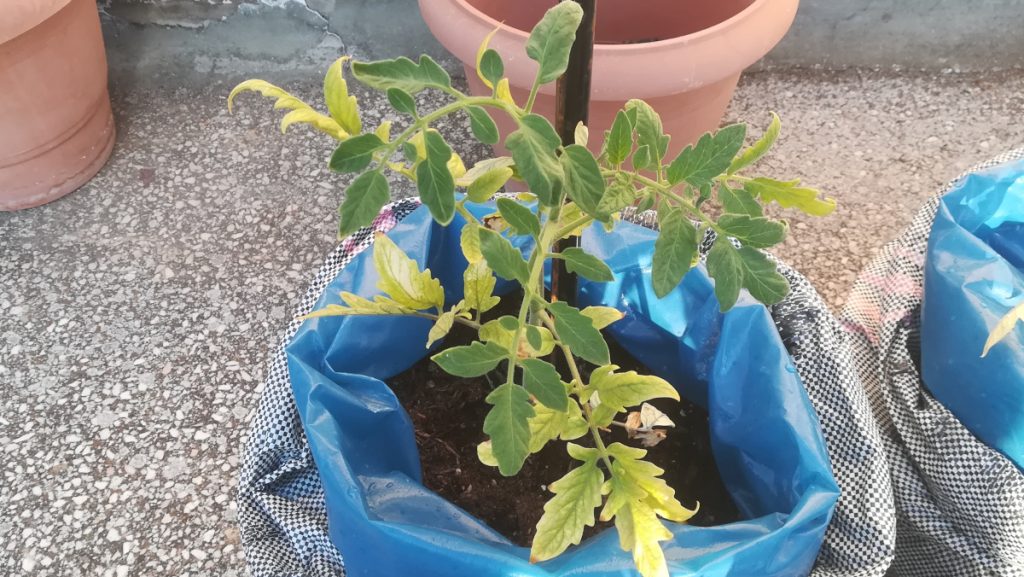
(702, 189)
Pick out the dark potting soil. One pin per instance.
(448, 414)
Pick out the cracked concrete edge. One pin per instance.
(189, 41)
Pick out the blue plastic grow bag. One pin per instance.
(974, 275)
(765, 434)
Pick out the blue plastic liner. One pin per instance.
(974, 275)
(765, 434)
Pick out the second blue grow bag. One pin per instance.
(764, 432)
(974, 275)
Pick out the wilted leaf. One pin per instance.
(789, 194)
(1004, 327)
(344, 108)
(759, 148)
(401, 279)
(571, 510)
(619, 391)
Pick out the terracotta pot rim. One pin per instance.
(22, 16)
(734, 20)
(622, 71)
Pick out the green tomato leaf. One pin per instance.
(577, 331)
(356, 153)
(402, 101)
(442, 325)
(618, 142)
(569, 512)
(344, 109)
(789, 194)
(478, 282)
(738, 201)
(602, 316)
(490, 182)
(471, 360)
(698, 164)
(508, 426)
(759, 148)
(434, 180)
(533, 148)
(755, 231)
(649, 132)
(616, 197)
(364, 198)
(642, 157)
(619, 391)
(482, 125)
(401, 279)
(402, 73)
(586, 265)
(552, 38)
(725, 266)
(542, 381)
(521, 219)
(491, 66)
(583, 181)
(503, 258)
(534, 337)
(675, 251)
(761, 277)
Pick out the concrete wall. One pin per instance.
(187, 40)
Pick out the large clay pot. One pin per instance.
(56, 127)
(684, 57)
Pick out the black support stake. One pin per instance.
(572, 98)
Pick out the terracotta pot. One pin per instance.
(56, 128)
(684, 57)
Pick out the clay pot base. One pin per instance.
(64, 166)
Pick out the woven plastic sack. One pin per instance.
(959, 503)
(281, 501)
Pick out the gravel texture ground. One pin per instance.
(137, 315)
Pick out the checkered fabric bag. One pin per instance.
(281, 508)
(959, 504)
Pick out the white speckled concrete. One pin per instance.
(136, 315)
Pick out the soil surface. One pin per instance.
(448, 414)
